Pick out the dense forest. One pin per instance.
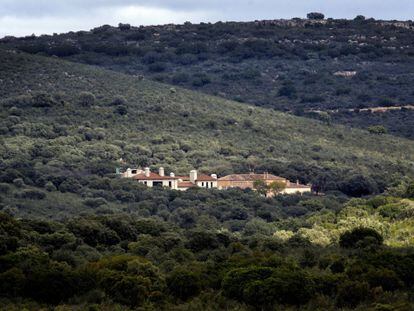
(75, 236)
(297, 65)
(154, 249)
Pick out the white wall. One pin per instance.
(296, 190)
(165, 183)
(203, 184)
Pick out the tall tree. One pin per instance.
(276, 187)
(260, 186)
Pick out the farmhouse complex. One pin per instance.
(246, 181)
(195, 179)
(152, 179)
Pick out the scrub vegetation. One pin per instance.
(74, 236)
(298, 65)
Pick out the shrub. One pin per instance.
(191, 48)
(18, 182)
(49, 186)
(385, 278)
(12, 282)
(247, 123)
(121, 110)
(359, 185)
(126, 289)
(118, 101)
(43, 100)
(63, 49)
(343, 91)
(263, 286)
(200, 240)
(409, 193)
(32, 194)
(5, 188)
(97, 134)
(386, 102)
(180, 78)
(315, 16)
(124, 196)
(235, 280)
(360, 237)
(184, 284)
(364, 97)
(157, 67)
(86, 99)
(287, 91)
(14, 111)
(94, 202)
(9, 175)
(201, 80)
(124, 27)
(351, 293)
(101, 29)
(360, 18)
(228, 46)
(212, 124)
(377, 129)
(187, 59)
(135, 36)
(392, 210)
(70, 185)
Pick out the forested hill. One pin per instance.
(294, 65)
(72, 120)
(74, 237)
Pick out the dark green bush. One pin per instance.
(184, 284)
(43, 100)
(86, 99)
(315, 15)
(121, 110)
(359, 185)
(360, 237)
(351, 293)
(31, 194)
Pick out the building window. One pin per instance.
(170, 184)
(157, 183)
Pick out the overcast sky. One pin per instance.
(24, 17)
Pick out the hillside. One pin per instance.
(74, 237)
(53, 127)
(290, 65)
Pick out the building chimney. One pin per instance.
(161, 171)
(172, 174)
(128, 172)
(193, 176)
(147, 171)
(214, 176)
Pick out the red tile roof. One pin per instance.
(251, 177)
(186, 185)
(201, 177)
(153, 176)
